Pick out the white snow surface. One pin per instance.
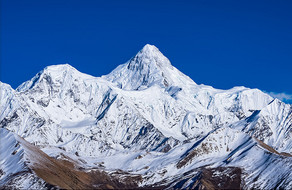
(11, 155)
(14, 172)
(146, 108)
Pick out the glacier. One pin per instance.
(145, 122)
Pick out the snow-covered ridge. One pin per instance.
(6, 99)
(55, 72)
(11, 156)
(149, 67)
(146, 111)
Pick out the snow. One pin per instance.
(11, 154)
(144, 117)
(149, 67)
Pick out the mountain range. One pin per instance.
(144, 125)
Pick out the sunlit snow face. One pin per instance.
(150, 117)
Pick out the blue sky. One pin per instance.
(217, 43)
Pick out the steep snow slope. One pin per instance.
(8, 103)
(146, 111)
(63, 107)
(271, 125)
(149, 67)
(14, 171)
(11, 155)
(24, 166)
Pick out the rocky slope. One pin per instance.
(145, 123)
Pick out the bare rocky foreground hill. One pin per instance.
(144, 125)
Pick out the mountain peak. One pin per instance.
(59, 72)
(147, 68)
(149, 55)
(59, 67)
(149, 49)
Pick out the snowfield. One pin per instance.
(145, 124)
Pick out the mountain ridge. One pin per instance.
(155, 120)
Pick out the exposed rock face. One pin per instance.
(144, 125)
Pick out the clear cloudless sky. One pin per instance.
(218, 43)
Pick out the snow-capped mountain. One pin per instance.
(145, 124)
(148, 68)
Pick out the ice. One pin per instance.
(145, 117)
